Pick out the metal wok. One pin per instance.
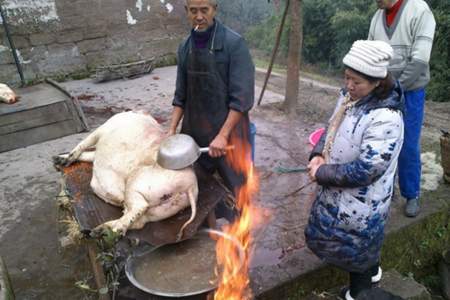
(179, 270)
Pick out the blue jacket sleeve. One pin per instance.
(241, 78)
(381, 144)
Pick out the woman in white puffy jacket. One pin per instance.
(354, 165)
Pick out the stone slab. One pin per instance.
(403, 287)
(42, 113)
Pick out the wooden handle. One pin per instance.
(206, 149)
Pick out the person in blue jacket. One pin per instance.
(354, 165)
(214, 89)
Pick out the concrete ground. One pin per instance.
(29, 233)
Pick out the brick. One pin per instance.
(93, 45)
(40, 39)
(95, 59)
(6, 56)
(69, 36)
(21, 41)
(62, 59)
(72, 23)
(93, 32)
(9, 74)
(38, 53)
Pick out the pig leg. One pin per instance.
(88, 142)
(108, 185)
(192, 196)
(87, 156)
(162, 209)
(135, 207)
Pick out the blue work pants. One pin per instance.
(409, 165)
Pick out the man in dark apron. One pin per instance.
(214, 91)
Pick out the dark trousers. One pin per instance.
(362, 281)
(232, 180)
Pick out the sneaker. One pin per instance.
(377, 277)
(412, 208)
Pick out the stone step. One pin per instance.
(404, 287)
(44, 112)
(393, 286)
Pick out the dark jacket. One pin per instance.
(235, 66)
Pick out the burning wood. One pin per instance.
(234, 278)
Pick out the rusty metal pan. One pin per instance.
(179, 270)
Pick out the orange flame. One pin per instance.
(234, 279)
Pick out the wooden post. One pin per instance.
(274, 51)
(99, 275)
(294, 55)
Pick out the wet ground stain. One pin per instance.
(39, 268)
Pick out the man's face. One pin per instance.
(385, 4)
(201, 13)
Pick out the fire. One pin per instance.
(234, 278)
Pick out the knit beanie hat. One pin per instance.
(369, 57)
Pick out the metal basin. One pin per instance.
(179, 270)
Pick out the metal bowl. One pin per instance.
(178, 151)
(179, 270)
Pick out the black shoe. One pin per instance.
(412, 208)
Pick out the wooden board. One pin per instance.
(91, 211)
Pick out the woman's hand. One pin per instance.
(313, 165)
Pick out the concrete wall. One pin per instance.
(63, 37)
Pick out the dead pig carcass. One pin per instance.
(7, 95)
(125, 172)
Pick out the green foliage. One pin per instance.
(330, 27)
(439, 86)
(317, 31)
(348, 26)
(240, 14)
(263, 37)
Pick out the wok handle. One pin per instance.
(206, 149)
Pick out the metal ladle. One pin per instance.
(179, 151)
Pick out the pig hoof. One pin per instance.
(70, 160)
(59, 160)
(99, 231)
(115, 227)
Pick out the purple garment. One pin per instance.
(201, 38)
